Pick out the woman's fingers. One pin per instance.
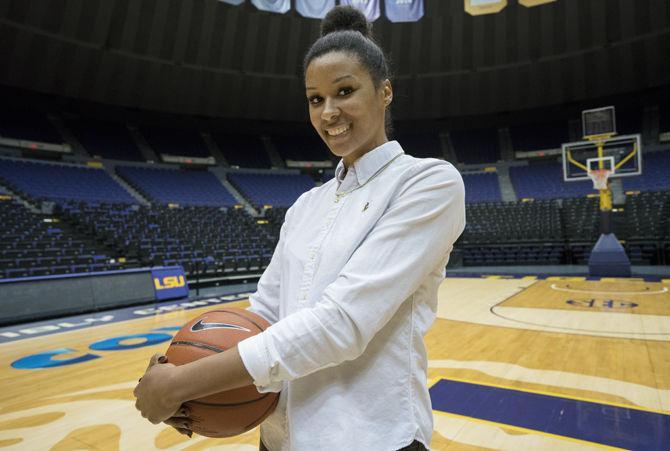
(182, 425)
(156, 358)
(183, 412)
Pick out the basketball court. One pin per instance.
(514, 363)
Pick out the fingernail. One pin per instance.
(162, 359)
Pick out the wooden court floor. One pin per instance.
(514, 363)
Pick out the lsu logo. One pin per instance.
(169, 282)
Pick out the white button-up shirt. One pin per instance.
(351, 290)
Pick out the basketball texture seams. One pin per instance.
(231, 412)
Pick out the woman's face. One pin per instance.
(345, 108)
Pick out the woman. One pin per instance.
(352, 286)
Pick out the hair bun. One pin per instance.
(343, 18)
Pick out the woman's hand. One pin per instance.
(155, 392)
(181, 422)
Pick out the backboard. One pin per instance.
(621, 154)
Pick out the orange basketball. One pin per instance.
(232, 412)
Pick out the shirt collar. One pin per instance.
(368, 165)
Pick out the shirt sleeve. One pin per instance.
(411, 239)
(265, 301)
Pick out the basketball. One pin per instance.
(228, 413)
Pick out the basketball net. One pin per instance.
(599, 178)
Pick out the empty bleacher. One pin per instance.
(646, 226)
(271, 189)
(483, 187)
(178, 186)
(192, 220)
(35, 244)
(203, 240)
(664, 118)
(172, 141)
(245, 151)
(508, 233)
(302, 148)
(580, 217)
(421, 145)
(106, 140)
(58, 182)
(476, 146)
(540, 136)
(28, 125)
(655, 173)
(545, 181)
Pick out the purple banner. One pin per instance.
(369, 7)
(169, 283)
(314, 9)
(404, 10)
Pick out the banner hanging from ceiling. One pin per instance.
(369, 7)
(273, 6)
(404, 10)
(314, 9)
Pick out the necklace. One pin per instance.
(339, 196)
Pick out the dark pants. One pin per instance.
(414, 446)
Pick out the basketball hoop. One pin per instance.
(599, 178)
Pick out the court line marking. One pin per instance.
(112, 312)
(557, 395)
(512, 323)
(524, 430)
(593, 333)
(630, 293)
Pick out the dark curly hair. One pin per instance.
(345, 29)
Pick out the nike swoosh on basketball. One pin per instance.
(200, 325)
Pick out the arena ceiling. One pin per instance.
(208, 58)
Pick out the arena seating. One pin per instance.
(581, 225)
(302, 148)
(97, 225)
(646, 226)
(175, 142)
(503, 222)
(184, 187)
(541, 136)
(665, 244)
(28, 125)
(203, 240)
(420, 145)
(476, 146)
(511, 254)
(655, 173)
(245, 151)
(664, 119)
(513, 232)
(545, 181)
(35, 244)
(106, 140)
(482, 187)
(58, 182)
(275, 190)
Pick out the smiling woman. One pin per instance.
(351, 289)
(347, 86)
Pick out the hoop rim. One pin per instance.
(599, 177)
